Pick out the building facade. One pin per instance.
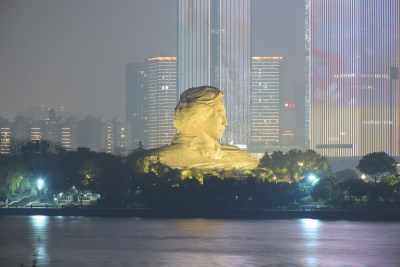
(136, 101)
(5, 139)
(122, 137)
(265, 100)
(353, 102)
(300, 116)
(161, 99)
(214, 49)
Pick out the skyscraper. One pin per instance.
(5, 139)
(122, 135)
(136, 101)
(214, 49)
(161, 96)
(353, 91)
(265, 100)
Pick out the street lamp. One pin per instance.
(313, 179)
(40, 185)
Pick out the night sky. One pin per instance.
(73, 53)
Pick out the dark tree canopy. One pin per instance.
(355, 187)
(326, 189)
(376, 165)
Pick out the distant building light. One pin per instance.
(288, 133)
(290, 105)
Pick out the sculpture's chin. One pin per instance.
(219, 136)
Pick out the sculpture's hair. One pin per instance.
(195, 104)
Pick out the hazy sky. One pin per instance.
(73, 52)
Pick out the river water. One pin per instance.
(89, 241)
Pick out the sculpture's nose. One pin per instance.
(224, 121)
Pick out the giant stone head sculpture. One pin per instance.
(201, 111)
(200, 121)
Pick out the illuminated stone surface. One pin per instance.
(200, 120)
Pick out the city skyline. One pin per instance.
(69, 133)
(74, 54)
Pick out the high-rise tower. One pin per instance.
(161, 98)
(136, 101)
(353, 87)
(265, 92)
(214, 49)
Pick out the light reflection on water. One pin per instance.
(84, 241)
(311, 229)
(39, 232)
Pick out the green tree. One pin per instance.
(278, 163)
(393, 182)
(108, 175)
(40, 159)
(137, 164)
(355, 187)
(12, 174)
(326, 188)
(391, 179)
(264, 174)
(69, 170)
(315, 163)
(294, 165)
(376, 165)
(265, 161)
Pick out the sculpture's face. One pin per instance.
(215, 124)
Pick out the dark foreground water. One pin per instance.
(88, 241)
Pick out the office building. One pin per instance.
(136, 101)
(214, 49)
(352, 65)
(122, 137)
(5, 140)
(265, 100)
(299, 118)
(161, 99)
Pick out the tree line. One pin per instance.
(281, 178)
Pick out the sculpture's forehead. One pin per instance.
(220, 106)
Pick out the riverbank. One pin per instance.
(206, 213)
